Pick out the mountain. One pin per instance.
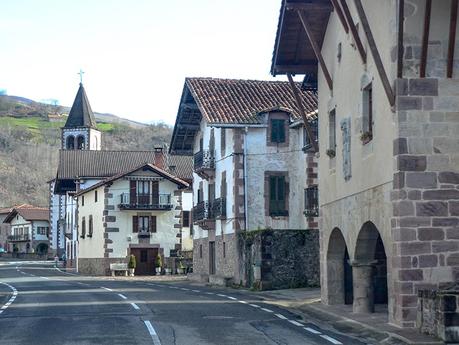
(30, 142)
(16, 106)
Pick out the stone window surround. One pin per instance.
(268, 174)
(366, 84)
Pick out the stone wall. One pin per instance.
(201, 262)
(425, 199)
(97, 266)
(438, 313)
(287, 258)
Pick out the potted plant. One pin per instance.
(167, 269)
(331, 153)
(366, 137)
(158, 264)
(181, 268)
(132, 265)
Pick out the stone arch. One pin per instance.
(338, 270)
(70, 142)
(80, 142)
(42, 249)
(369, 269)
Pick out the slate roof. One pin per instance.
(29, 213)
(103, 164)
(152, 167)
(81, 114)
(236, 101)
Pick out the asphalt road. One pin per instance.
(41, 305)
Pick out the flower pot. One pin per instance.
(131, 272)
(158, 270)
(168, 271)
(180, 271)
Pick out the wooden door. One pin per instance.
(145, 258)
(212, 258)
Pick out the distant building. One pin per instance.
(136, 212)
(252, 171)
(29, 230)
(5, 228)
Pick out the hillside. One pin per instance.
(29, 145)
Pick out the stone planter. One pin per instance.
(180, 271)
(131, 272)
(158, 271)
(168, 270)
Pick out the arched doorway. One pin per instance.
(369, 270)
(42, 249)
(338, 270)
(70, 142)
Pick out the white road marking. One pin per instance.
(135, 306)
(233, 298)
(195, 290)
(267, 310)
(12, 298)
(296, 323)
(23, 272)
(280, 316)
(122, 296)
(311, 330)
(106, 288)
(45, 278)
(254, 305)
(219, 294)
(331, 340)
(184, 289)
(209, 293)
(243, 302)
(154, 335)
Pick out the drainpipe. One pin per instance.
(246, 209)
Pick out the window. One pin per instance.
(82, 200)
(332, 133)
(277, 196)
(222, 141)
(311, 201)
(186, 219)
(144, 224)
(200, 251)
(224, 249)
(95, 196)
(70, 142)
(367, 114)
(42, 230)
(90, 226)
(80, 142)
(83, 227)
(277, 131)
(307, 143)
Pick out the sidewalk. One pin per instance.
(306, 304)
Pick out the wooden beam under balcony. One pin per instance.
(425, 39)
(452, 38)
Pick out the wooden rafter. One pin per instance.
(400, 46)
(425, 39)
(340, 14)
(316, 49)
(374, 52)
(355, 34)
(452, 38)
(299, 104)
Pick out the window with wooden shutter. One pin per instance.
(90, 230)
(332, 131)
(277, 196)
(153, 224)
(135, 224)
(83, 227)
(186, 219)
(222, 141)
(133, 192)
(155, 192)
(277, 131)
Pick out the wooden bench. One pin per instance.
(119, 267)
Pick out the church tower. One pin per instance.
(80, 131)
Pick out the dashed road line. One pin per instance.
(267, 310)
(254, 305)
(153, 334)
(219, 294)
(106, 289)
(122, 296)
(45, 278)
(243, 302)
(135, 306)
(311, 330)
(296, 323)
(233, 298)
(195, 290)
(331, 340)
(280, 316)
(209, 293)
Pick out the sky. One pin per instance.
(135, 53)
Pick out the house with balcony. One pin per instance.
(135, 212)
(254, 181)
(29, 230)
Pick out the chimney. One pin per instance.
(159, 157)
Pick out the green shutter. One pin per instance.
(281, 131)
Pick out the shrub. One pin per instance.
(132, 263)
(158, 261)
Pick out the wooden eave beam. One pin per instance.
(425, 39)
(340, 14)
(452, 38)
(308, 6)
(354, 33)
(299, 104)
(400, 45)
(316, 49)
(374, 52)
(292, 68)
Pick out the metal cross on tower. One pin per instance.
(81, 76)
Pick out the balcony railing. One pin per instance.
(311, 202)
(145, 201)
(144, 233)
(204, 162)
(202, 211)
(218, 207)
(19, 238)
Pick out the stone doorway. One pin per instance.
(369, 270)
(338, 270)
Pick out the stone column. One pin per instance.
(362, 278)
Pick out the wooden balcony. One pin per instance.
(204, 164)
(150, 202)
(202, 215)
(19, 238)
(218, 208)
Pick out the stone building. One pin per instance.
(136, 212)
(254, 182)
(389, 129)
